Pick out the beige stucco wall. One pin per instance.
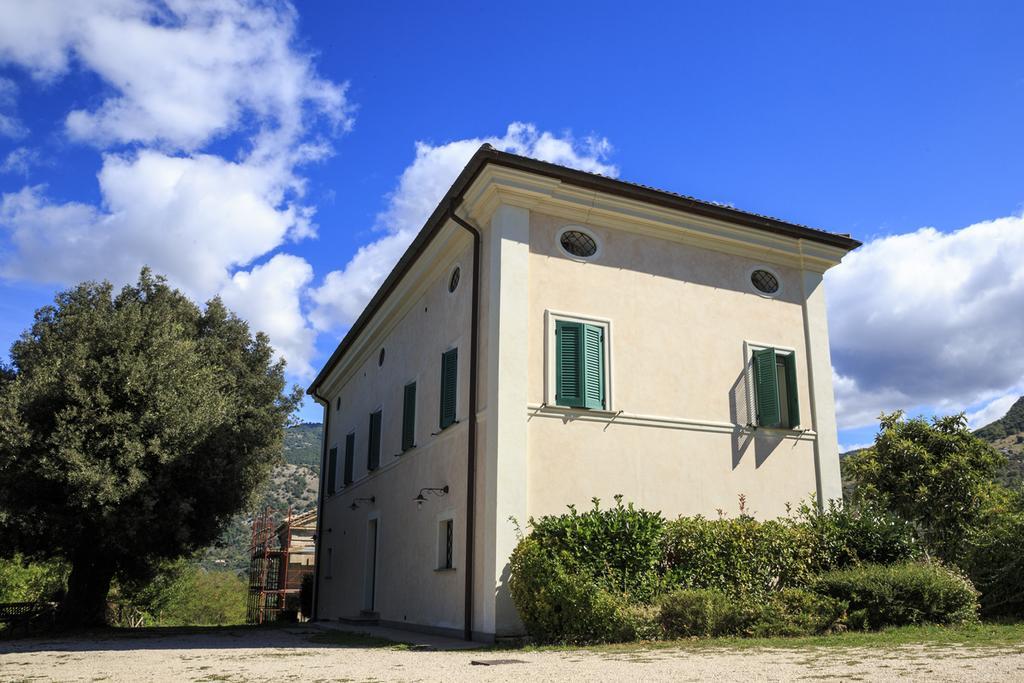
(679, 315)
(409, 589)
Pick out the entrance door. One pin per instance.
(370, 586)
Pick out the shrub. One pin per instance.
(560, 606)
(796, 612)
(708, 612)
(843, 536)
(996, 564)
(182, 594)
(701, 613)
(901, 594)
(618, 548)
(740, 556)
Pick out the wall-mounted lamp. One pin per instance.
(355, 503)
(420, 499)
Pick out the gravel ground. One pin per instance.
(289, 654)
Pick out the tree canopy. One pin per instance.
(133, 425)
(935, 474)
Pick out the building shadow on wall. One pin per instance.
(745, 433)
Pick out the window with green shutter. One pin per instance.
(332, 468)
(373, 454)
(775, 389)
(449, 386)
(350, 455)
(579, 365)
(409, 417)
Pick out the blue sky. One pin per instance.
(294, 131)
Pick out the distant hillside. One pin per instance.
(293, 483)
(1007, 434)
(302, 444)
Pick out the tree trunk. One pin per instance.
(88, 585)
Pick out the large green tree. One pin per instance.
(936, 474)
(133, 426)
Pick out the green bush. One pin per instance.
(709, 612)
(795, 612)
(618, 548)
(22, 581)
(740, 556)
(846, 535)
(996, 564)
(561, 606)
(701, 613)
(901, 594)
(182, 594)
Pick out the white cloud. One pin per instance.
(10, 126)
(192, 218)
(928, 319)
(994, 409)
(268, 297)
(183, 72)
(180, 75)
(345, 292)
(20, 161)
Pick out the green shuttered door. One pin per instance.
(409, 417)
(332, 468)
(350, 454)
(449, 385)
(373, 457)
(579, 365)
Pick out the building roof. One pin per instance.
(594, 181)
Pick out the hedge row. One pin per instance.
(623, 574)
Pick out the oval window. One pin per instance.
(453, 281)
(764, 281)
(578, 243)
(380, 358)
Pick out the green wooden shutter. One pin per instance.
(332, 468)
(409, 417)
(766, 390)
(373, 456)
(569, 384)
(593, 366)
(449, 386)
(794, 401)
(350, 454)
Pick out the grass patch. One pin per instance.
(352, 639)
(972, 635)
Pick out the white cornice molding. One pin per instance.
(500, 185)
(606, 417)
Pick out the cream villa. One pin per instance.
(553, 335)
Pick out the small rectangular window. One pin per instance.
(409, 417)
(445, 544)
(373, 453)
(350, 453)
(449, 386)
(332, 468)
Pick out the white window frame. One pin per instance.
(750, 282)
(748, 364)
(551, 319)
(589, 232)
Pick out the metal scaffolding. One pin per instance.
(280, 555)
